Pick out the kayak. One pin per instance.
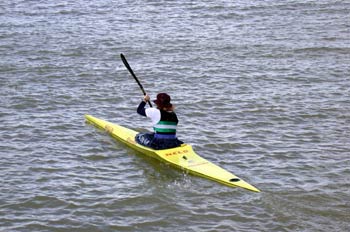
(182, 157)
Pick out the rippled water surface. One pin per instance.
(261, 89)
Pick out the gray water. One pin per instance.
(261, 89)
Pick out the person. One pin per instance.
(164, 122)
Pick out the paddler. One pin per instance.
(164, 122)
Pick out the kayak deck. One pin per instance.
(182, 157)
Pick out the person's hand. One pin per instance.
(146, 98)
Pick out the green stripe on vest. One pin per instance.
(165, 127)
(166, 123)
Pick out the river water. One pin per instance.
(261, 89)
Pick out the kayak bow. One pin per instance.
(183, 157)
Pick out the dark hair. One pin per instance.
(163, 100)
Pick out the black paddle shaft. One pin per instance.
(133, 74)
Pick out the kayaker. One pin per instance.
(164, 122)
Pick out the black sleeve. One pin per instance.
(141, 109)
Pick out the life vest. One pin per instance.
(166, 127)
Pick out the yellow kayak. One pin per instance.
(182, 157)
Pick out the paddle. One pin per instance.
(133, 74)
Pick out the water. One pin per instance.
(261, 88)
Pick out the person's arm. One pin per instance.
(141, 109)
